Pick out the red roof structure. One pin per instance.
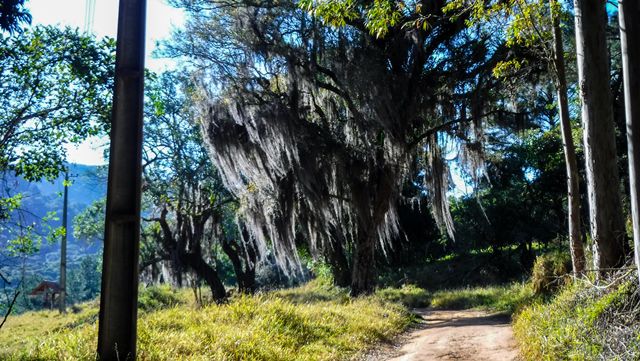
(46, 287)
(48, 290)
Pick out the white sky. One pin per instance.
(161, 19)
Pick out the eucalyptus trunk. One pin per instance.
(573, 181)
(629, 19)
(605, 207)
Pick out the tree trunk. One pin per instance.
(605, 207)
(629, 19)
(339, 264)
(573, 181)
(363, 272)
(174, 243)
(206, 272)
(245, 276)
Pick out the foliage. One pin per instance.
(583, 322)
(55, 90)
(188, 210)
(306, 323)
(550, 272)
(409, 295)
(89, 225)
(522, 199)
(84, 279)
(12, 14)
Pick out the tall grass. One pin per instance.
(507, 298)
(312, 322)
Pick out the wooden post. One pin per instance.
(118, 299)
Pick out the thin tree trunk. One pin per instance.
(629, 19)
(573, 181)
(605, 207)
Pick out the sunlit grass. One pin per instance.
(311, 322)
(507, 298)
(582, 322)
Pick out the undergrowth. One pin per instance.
(583, 322)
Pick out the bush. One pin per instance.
(550, 272)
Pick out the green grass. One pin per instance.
(508, 298)
(312, 322)
(408, 295)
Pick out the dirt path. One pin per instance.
(457, 335)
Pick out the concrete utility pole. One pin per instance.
(63, 247)
(118, 299)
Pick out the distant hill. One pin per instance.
(88, 185)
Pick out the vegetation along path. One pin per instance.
(459, 335)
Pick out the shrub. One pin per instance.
(550, 271)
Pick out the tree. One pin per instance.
(315, 121)
(181, 186)
(629, 19)
(605, 207)
(535, 27)
(573, 178)
(54, 91)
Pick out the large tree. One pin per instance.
(316, 121)
(603, 182)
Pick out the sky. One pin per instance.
(161, 19)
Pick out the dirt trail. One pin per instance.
(457, 335)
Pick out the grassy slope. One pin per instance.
(583, 322)
(311, 322)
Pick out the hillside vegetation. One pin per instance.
(583, 321)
